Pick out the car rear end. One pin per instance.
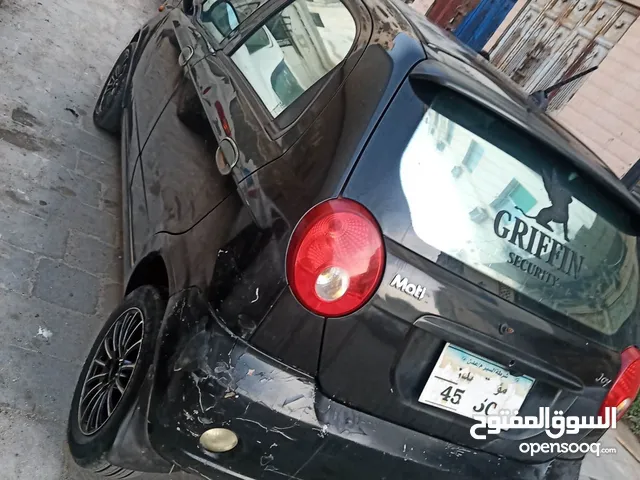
(431, 290)
(510, 276)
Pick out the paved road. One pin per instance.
(621, 465)
(60, 238)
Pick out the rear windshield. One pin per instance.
(510, 207)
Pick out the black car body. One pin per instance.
(315, 397)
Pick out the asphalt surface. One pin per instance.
(60, 236)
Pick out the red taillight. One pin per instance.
(626, 385)
(335, 258)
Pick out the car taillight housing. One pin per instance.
(626, 385)
(335, 258)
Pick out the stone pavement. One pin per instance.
(60, 237)
(621, 465)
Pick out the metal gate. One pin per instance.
(553, 39)
(476, 29)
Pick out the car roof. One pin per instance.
(454, 65)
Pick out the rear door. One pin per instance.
(182, 183)
(158, 76)
(510, 281)
(264, 87)
(252, 77)
(184, 179)
(158, 72)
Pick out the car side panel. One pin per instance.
(136, 218)
(249, 268)
(156, 75)
(148, 90)
(182, 179)
(128, 143)
(174, 182)
(243, 272)
(139, 212)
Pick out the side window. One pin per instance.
(221, 17)
(294, 49)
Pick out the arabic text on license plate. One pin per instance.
(470, 385)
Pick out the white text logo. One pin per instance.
(555, 425)
(402, 284)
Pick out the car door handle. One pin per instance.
(227, 155)
(185, 55)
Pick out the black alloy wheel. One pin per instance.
(108, 111)
(112, 378)
(111, 370)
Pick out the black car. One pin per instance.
(347, 235)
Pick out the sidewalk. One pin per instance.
(625, 464)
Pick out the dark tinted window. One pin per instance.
(512, 209)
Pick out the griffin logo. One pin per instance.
(536, 242)
(560, 198)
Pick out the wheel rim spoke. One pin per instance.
(120, 332)
(114, 339)
(127, 331)
(130, 345)
(90, 406)
(132, 348)
(110, 404)
(97, 377)
(119, 385)
(94, 392)
(107, 348)
(96, 409)
(131, 330)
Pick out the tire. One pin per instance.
(108, 110)
(116, 380)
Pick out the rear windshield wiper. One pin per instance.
(541, 97)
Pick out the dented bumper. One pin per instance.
(206, 378)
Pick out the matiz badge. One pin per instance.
(402, 284)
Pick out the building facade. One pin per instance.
(540, 42)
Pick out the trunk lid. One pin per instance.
(497, 247)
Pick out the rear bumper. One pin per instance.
(205, 378)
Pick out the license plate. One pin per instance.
(471, 385)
